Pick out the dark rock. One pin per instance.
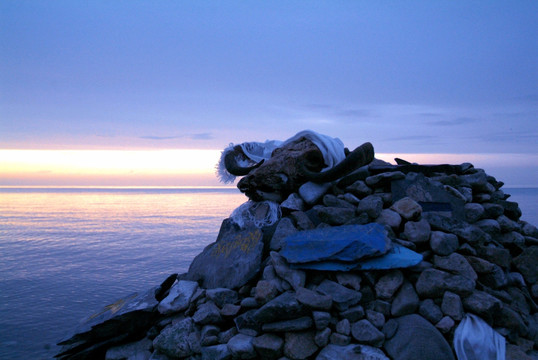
(303, 323)
(452, 306)
(313, 299)
(241, 347)
(139, 349)
(222, 296)
(359, 189)
(207, 313)
(529, 229)
(340, 339)
(480, 265)
(296, 278)
(284, 228)
(230, 310)
(511, 238)
(376, 318)
(178, 340)
(496, 255)
(365, 333)
(343, 298)
(247, 324)
(430, 311)
(231, 261)
(511, 209)
(350, 198)
(293, 203)
(299, 345)
(508, 318)
(349, 280)
(225, 336)
(383, 179)
(490, 226)
(416, 338)
(322, 337)
(311, 192)
(445, 325)
(443, 243)
(351, 352)
(473, 212)
(179, 297)
(406, 301)
(495, 279)
(492, 210)
(408, 208)
(268, 346)
(265, 291)
(283, 307)
(526, 263)
(388, 284)
(417, 231)
(456, 264)
(343, 327)
(209, 335)
(507, 224)
(321, 319)
(332, 201)
(303, 220)
(336, 215)
(371, 205)
(482, 304)
(216, 352)
(353, 313)
(433, 283)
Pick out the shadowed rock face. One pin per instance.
(279, 176)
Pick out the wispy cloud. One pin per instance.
(202, 136)
(412, 138)
(198, 136)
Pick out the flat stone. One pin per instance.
(371, 205)
(433, 283)
(526, 263)
(293, 203)
(456, 264)
(268, 346)
(222, 296)
(302, 323)
(430, 311)
(311, 192)
(350, 198)
(178, 340)
(241, 347)
(443, 243)
(296, 278)
(321, 319)
(283, 307)
(349, 280)
(360, 189)
(384, 178)
(300, 345)
(417, 231)
(482, 304)
(216, 352)
(496, 255)
(231, 261)
(313, 299)
(473, 212)
(353, 313)
(322, 337)
(283, 229)
(330, 200)
(179, 297)
(388, 284)
(343, 298)
(415, 338)
(406, 300)
(335, 215)
(365, 333)
(351, 352)
(452, 306)
(207, 313)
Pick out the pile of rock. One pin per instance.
(242, 298)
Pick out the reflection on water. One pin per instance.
(67, 253)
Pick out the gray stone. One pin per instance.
(207, 313)
(265, 291)
(507, 224)
(477, 181)
(283, 229)
(417, 231)
(350, 198)
(430, 311)
(360, 189)
(371, 205)
(365, 333)
(388, 284)
(349, 280)
(231, 261)
(313, 299)
(495, 279)
(330, 200)
(322, 337)
(490, 226)
(343, 327)
(335, 215)
(311, 192)
(351, 352)
(452, 306)
(526, 263)
(343, 298)
(321, 319)
(139, 350)
(179, 297)
(293, 203)
(511, 238)
(384, 178)
(511, 209)
(230, 310)
(268, 346)
(480, 265)
(406, 301)
(222, 296)
(382, 306)
(209, 335)
(376, 318)
(443, 243)
(529, 229)
(445, 325)
(408, 208)
(225, 336)
(433, 283)
(456, 264)
(247, 324)
(353, 313)
(178, 340)
(302, 220)
(509, 318)
(296, 278)
(473, 212)
(482, 304)
(340, 339)
(492, 210)
(283, 307)
(496, 255)
(249, 303)
(415, 338)
(300, 345)
(241, 347)
(216, 352)
(390, 218)
(302, 323)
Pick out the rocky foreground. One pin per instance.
(249, 295)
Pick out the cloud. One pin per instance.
(149, 137)
(453, 122)
(202, 136)
(199, 136)
(412, 138)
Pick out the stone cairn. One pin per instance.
(243, 299)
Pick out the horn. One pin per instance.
(230, 162)
(362, 155)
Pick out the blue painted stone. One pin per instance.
(347, 243)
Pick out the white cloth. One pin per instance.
(331, 148)
(474, 339)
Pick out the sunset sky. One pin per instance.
(149, 92)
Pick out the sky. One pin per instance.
(150, 92)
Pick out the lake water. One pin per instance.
(66, 253)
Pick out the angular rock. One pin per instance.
(353, 313)
(179, 297)
(293, 203)
(268, 346)
(313, 299)
(430, 311)
(490, 226)
(232, 260)
(507, 224)
(433, 283)
(265, 291)
(321, 319)
(351, 352)
(456, 264)
(225, 336)
(335, 215)
(371, 205)
(406, 301)
(303, 323)
(209, 335)
(283, 229)
(376, 318)
(296, 278)
(445, 325)
(365, 333)
(452, 306)
(207, 313)
(496, 255)
(482, 304)
(178, 340)
(135, 350)
(247, 324)
(216, 352)
(230, 310)
(299, 345)
(443, 243)
(222, 296)
(390, 218)
(388, 284)
(360, 189)
(474, 212)
(241, 347)
(417, 231)
(408, 208)
(322, 337)
(343, 298)
(383, 179)
(349, 280)
(304, 221)
(283, 307)
(343, 327)
(492, 210)
(526, 263)
(330, 200)
(311, 192)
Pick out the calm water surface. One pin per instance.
(66, 253)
